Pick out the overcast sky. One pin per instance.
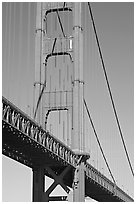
(115, 26)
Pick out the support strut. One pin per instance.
(39, 195)
(79, 178)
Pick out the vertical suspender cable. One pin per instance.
(28, 43)
(20, 46)
(55, 34)
(41, 41)
(14, 35)
(84, 58)
(63, 130)
(9, 46)
(5, 36)
(109, 89)
(67, 61)
(60, 91)
(63, 61)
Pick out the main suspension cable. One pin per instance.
(109, 89)
(96, 135)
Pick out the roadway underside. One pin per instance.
(27, 151)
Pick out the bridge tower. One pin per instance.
(77, 138)
(78, 97)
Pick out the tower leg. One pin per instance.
(78, 138)
(78, 123)
(38, 184)
(79, 184)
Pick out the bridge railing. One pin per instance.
(16, 118)
(99, 178)
(104, 182)
(19, 120)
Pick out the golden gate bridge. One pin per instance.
(56, 142)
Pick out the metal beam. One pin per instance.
(58, 179)
(57, 198)
(38, 184)
(78, 135)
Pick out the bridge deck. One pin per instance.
(26, 142)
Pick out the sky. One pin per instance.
(115, 27)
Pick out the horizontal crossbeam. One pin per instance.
(57, 198)
(56, 10)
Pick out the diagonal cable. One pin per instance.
(96, 135)
(54, 44)
(109, 89)
(62, 29)
(39, 99)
